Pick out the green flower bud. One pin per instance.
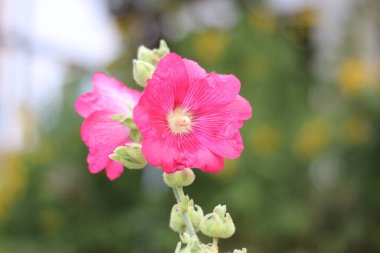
(179, 178)
(212, 226)
(196, 216)
(162, 50)
(195, 213)
(147, 55)
(176, 221)
(229, 227)
(243, 250)
(218, 224)
(130, 156)
(142, 71)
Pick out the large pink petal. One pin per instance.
(219, 131)
(114, 169)
(177, 152)
(211, 92)
(167, 87)
(194, 71)
(108, 94)
(241, 110)
(102, 135)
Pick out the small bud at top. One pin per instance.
(147, 59)
(142, 71)
(162, 50)
(130, 156)
(147, 55)
(179, 178)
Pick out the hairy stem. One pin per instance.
(179, 195)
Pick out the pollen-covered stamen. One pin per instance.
(179, 121)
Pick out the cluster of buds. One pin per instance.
(187, 218)
(147, 59)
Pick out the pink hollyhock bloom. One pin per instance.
(190, 119)
(99, 131)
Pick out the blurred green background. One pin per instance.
(308, 180)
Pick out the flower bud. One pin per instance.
(176, 221)
(130, 156)
(196, 216)
(229, 227)
(176, 216)
(162, 50)
(243, 250)
(218, 224)
(147, 55)
(179, 178)
(142, 71)
(212, 226)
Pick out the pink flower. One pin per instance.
(99, 131)
(190, 119)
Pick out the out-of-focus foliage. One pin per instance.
(308, 180)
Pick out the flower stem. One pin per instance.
(215, 245)
(179, 195)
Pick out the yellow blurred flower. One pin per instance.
(353, 76)
(12, 182)
(357, 130)
(209, 45)
(263, 19)
(312, 139)
(265, 140)
(306, 18)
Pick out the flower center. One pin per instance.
(179, 121)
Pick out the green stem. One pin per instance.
(215, 245)
(179, 195)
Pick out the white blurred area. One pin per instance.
(39, 41)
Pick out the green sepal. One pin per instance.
(130, 156)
